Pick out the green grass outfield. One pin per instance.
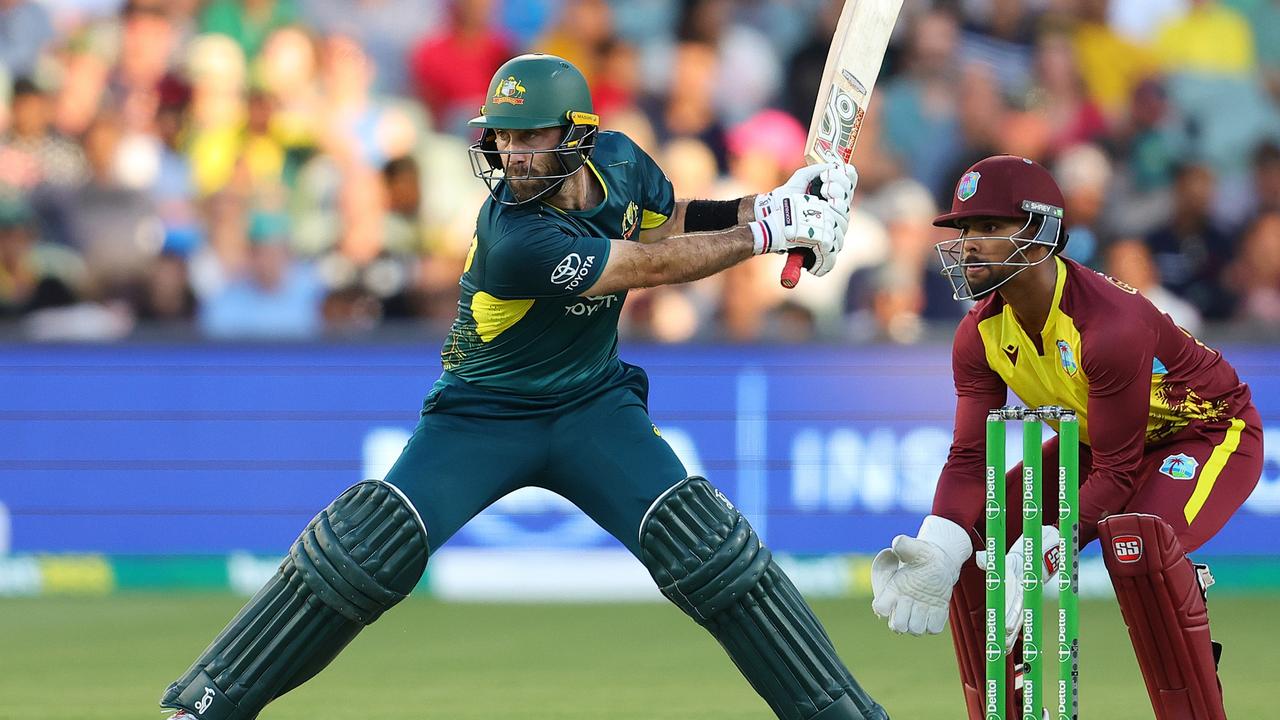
(108, 658)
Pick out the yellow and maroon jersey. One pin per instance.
(1132, 376)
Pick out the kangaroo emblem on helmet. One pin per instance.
(509, 91)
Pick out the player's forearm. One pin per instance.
(958, 495)
(706, 216)
(693, 256)
(673, 260)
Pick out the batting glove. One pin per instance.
(836, 184)
(802, 222)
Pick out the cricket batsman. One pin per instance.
(1171, 444)
(533, 393)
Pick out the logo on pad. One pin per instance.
(205, 701)
(1128, 548)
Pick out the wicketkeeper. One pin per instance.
(1171, 444)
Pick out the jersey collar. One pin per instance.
(1055, 309)
(1055, 306)
(589, 211)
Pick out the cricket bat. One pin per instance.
(857, 50)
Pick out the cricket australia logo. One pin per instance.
(509, 91)
(1179, 467)
(968, 185)
(630, 220)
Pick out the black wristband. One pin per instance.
(704, 215)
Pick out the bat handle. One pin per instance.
(796, 258)
(791, 271)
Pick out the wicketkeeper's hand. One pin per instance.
(802, 222)
(1013, 564)
(911, 581)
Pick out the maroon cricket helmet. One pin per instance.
(1005, 186)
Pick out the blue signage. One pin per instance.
(214, 448)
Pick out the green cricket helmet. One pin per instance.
(531, 92)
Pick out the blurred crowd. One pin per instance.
(298, 168)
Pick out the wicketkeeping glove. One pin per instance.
(1052, 559)
(911, 581)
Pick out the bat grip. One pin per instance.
(791, 271)
(796, 258)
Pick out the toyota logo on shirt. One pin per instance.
(567, 269)
(570, 271)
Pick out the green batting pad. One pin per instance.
(357, 558)
(707, 559)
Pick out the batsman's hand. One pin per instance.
(838, 183)
(1013, 586)
(834, 181)
(802, 222)
(911, 581)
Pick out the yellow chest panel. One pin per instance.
(1054, 377)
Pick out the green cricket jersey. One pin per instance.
(523, 325)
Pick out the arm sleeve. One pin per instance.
(543, 262)
(659, 195)
(962, 484)
(1118, 365)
